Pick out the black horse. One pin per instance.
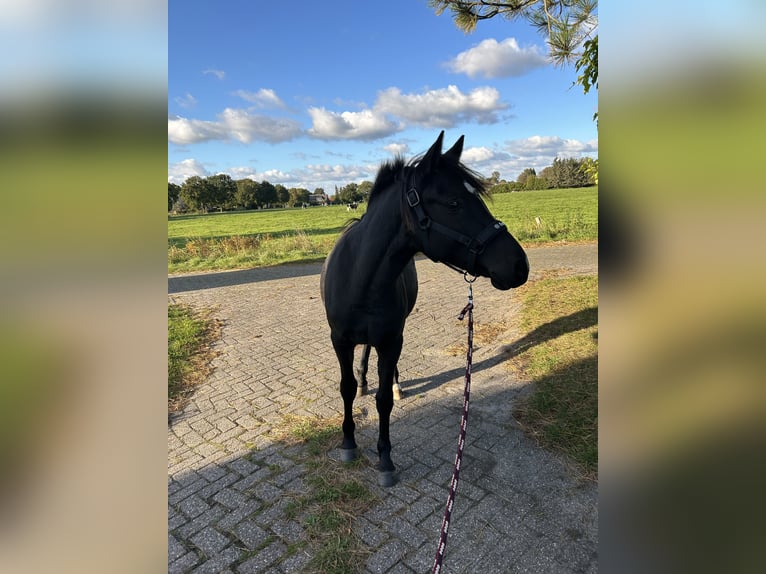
(369, 285)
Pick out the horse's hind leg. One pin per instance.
(345, 353)
(361, 375)
(398, 394)
(361, 372)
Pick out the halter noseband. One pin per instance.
(475, 245)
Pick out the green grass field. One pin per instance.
(560, 317)
(259, 238)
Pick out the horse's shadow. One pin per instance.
(559, 326)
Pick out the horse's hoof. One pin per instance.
(348, 454)
(386, 478)
(398, 393)
(360, 391)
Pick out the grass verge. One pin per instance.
(560, 355)
(335, 495)
(190, 334)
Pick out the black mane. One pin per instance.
(391, 171)
(388, 173)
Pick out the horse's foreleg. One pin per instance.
(388, 356)
(345, 353)
(361, 372)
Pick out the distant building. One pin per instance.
(318, 199)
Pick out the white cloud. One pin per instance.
(393, 111)
(245, 127)
(397, 148)
(493, 59)
(551, 145)
(183, 131)
(442, 108)
(263, 98)
(363, 125)
(184, 169)
(270, 175)
(336, 173)
(232, 124)
(186, 101)
(477, 155)
(220, 74)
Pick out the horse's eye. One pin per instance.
(453, 203)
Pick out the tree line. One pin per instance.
(564, 173)
(222, 193)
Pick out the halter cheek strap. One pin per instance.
(475, 245)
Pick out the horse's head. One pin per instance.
(452, 224)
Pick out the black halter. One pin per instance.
(475, 245)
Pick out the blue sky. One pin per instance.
(317, 94)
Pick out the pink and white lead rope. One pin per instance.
(468, 309)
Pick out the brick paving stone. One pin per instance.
(263, 559)
(369, 533)
(193, 506)
(266, 491)
(187, 491)
(251, 534)
(244, 511)
(175, 548)
(210, 541)
(243, 466)
(406, 532)
(212, 472)
(289, 531)
(204, 519)
(390, 554)
(295, 563)
(219, 562)
(252, 479)
(218, 485)
(176, 522)
(183, 563)
(230, 498)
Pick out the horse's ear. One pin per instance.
(453, 153)
(429, 161)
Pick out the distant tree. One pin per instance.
(349, 193)
(534, 183)
(246, 196)
(507, 187)
(283, 195)
(568, 173)
(547, 173)
(265, 194)
(297, 196)
(319, 191)
(590, 168)
(529, 172)
(195, 193)
(493, 179)
(364, 190)
(222, 191)
(174, 190)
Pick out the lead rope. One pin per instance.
(468, 309)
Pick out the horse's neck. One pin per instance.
(384, 248)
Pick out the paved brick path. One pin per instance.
(518, 508)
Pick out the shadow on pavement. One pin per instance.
(182, 283)
(559, 326)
